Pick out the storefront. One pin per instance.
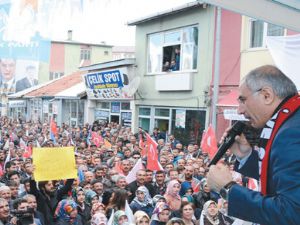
(118, 112)
(185, 123)
(17, 109)
(110, 87)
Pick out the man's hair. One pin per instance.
(171, 170)
(270, 76)
(10, 174)
(27, 196)
(95, 181)
(160, 172)
(12, 183)
(9, 164)
(18, 202)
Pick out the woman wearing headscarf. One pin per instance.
(161, 214)
(91, 197)
(66, 213)
(142, 201)
(211, 216)
(119, 218)
(203, 195)
(141, 218)
(98, 219)
(172, 195)
(84, 210)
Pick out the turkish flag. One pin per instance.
(53, 127)
(118, 168)
(209, 142)
(96, 138)
(152, 156)
(142, 145)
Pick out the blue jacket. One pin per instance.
(282, 204)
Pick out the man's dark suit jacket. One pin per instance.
(133, 186)
(24, 83)
(281, 205)
(250, 168)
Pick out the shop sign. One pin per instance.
(115, 107)
(17, 104)
(112, 84)
(101, 115)
(232, 114)
(180, 118)
(126, 119)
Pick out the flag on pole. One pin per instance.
(53, 130)
(132, 174)
(209, 142)
(97, 139)
(152, 156)
(107, 144)
(142, 145)
(118, 168)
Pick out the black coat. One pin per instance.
(45, 205)
(85, 214)
(250, 168)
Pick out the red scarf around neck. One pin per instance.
(285, 112)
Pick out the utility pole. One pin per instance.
(216, 69)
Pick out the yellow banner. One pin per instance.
(54, 163)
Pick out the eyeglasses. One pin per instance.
(242, 99)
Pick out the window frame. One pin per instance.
(265, 32)
(175, 43)
(85, 54)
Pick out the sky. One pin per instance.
(105, 20)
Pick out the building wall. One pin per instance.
(201, 78)
(230, 61)
(251, 58)
(98, 54)
(72, 58)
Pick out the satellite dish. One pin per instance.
(133, 86)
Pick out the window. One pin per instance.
(55, 75)
(144, 111)
(125, 106)
(162, 112)
(259, 30)
(103, 105)
(188, 125)
(85, 54)
(174, 50)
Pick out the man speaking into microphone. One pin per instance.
(269, 99)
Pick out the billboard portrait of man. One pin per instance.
(29, 80)
(7, 72)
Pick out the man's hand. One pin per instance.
(240, 147)
(218, 176)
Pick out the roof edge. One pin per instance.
(167, 12)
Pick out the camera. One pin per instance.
(24, 217)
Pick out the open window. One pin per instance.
(171, 58)
(174, 50)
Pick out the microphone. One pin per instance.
(236, 129)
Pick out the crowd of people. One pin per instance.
(177, 194)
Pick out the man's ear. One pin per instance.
(268, 95)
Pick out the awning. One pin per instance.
(75, 91)
(229, 100)
(285, 13)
